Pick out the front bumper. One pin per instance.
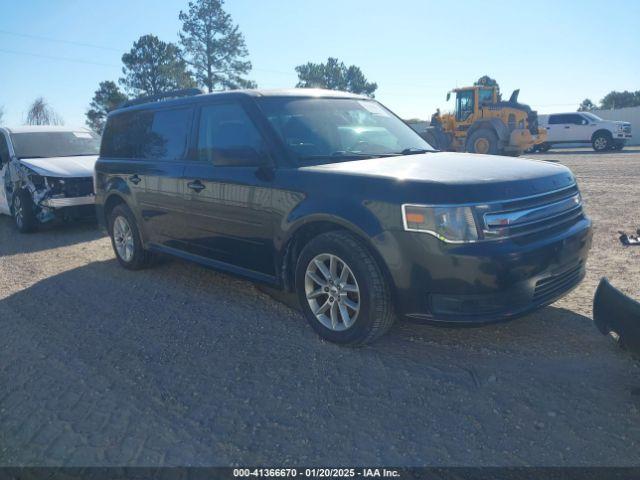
(68, 202)
(486, 281)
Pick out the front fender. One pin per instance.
(356, 217)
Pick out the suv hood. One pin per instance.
(66, 167)
(457, 177)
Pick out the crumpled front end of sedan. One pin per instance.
(53, 197)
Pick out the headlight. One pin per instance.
(449, 224)
(620, 127)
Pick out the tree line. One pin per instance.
(211, 53)
(612, 100)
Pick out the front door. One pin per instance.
(227, 185)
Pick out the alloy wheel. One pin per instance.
(123, 238)
(332, 292)
(600, 143)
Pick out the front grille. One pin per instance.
(554, 285)
(531, 215)
(74, 187)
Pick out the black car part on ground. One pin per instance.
(614, 312)
(630, 239)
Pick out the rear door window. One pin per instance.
(167, 137)
(159, 135)
(557, 119)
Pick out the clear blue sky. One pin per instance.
(556, 52)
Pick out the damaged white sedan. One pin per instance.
(47, 173)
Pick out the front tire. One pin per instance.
(342, 290)
(601, 142)
(483, 141)
(544, 147)
(126, 240)
(24, 212)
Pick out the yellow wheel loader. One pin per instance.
(482, 123)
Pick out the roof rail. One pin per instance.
(185, 92)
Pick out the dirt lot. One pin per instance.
(179, 365)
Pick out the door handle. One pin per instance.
(196, 185)
(135, 179)
(567, 126)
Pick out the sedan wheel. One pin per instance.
(18, 212)
(123, 238)
(332, 292)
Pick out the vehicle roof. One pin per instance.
(254, 93)
(564, 113)
(43, 128)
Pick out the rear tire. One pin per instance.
(126, 240)
(483, 141)
(329, 294)
(601, 142)
(24, 212)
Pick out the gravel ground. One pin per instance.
(179, 365)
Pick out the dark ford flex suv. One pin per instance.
(332, 196)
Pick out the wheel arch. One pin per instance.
(302, 232)
(494, 124)
(112, 200)
(602, 131)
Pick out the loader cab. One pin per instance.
(470, 100)
(465, 104)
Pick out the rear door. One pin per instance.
(228, 193)
(557, 128)
(149, 147)
(164, 149)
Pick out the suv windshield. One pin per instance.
(55, 144)
(326, 130)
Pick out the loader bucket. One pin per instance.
(613, 311)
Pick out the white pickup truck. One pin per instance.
(583, 127)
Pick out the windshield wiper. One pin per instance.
(343, 155)
(414, 151)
